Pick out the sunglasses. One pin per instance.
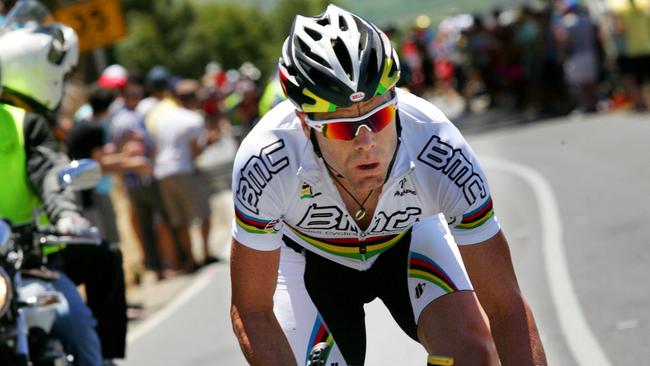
(348, 128)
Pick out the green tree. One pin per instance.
(144, 46)
(184, 36)
(228, 34)
(155, 32)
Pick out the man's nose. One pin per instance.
(365, 138)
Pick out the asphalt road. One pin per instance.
(572, 195)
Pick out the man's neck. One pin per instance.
(356, 200)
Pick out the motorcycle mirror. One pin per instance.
(80, 174)
(5, 235)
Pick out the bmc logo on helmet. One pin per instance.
(358, 96)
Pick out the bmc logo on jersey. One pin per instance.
(355, 97)
(258, 172)
(324, 218)
(455, 165)
(397, 221)
(333, 218)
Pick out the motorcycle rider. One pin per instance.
(33, 64)
(37, 82)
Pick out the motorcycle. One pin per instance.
(28, 301)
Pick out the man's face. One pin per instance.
(133, 93)
(364, 160)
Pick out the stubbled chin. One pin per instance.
(368, 182)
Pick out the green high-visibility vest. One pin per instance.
(17, 198)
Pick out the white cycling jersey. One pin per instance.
(282, 190)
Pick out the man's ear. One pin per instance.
(301, 117)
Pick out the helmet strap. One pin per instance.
(314, 142)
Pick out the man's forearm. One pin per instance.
(261, 338)
(516, 336)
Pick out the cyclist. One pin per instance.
(33, 64)
(355, 190)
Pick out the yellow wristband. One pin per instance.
(440, 361)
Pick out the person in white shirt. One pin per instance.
(179, 139)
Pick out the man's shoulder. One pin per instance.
(282, 116)
(416, 109)
(180, 118)
(421, 121)
(35, 121)
(161, 108)
(277, 141)
(125, 117)
(280, 123)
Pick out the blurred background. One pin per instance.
(551, 94)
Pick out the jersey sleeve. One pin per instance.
(44, 161)
(460, 187)
(258, 192)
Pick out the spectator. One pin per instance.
(114, 77)
(165, 105)
(179, 141)
(630, 34)
(129, 136)
(577, 37)
(102, 271)
(157, 84)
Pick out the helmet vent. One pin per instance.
(343, 56)
(306, 50)
(343, 24)
(321, 79)
(371, 69)
(316, 36)
(363, 39)
(324, 22)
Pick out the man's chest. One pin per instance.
(320, 211)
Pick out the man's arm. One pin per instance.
(253, 280)
(44, 161)
(121, 162)
(513, 327)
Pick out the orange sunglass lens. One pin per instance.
(348, 130)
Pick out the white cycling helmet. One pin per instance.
(34, 62)
(336, 59)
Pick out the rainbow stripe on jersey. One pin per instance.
(477, 217)
(349, 247)
(319, 334)
(424, 268)
(252, 224)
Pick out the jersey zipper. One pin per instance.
(362, 249)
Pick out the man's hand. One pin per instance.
(73, 224)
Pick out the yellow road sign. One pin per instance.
(98, 22)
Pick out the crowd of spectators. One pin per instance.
(543, 58)
(147, 133)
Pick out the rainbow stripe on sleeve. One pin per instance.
(252, 224)
(319, 334)
(424, 268)
(477, 217)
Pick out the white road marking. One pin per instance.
(581, 340)
(198, 284)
